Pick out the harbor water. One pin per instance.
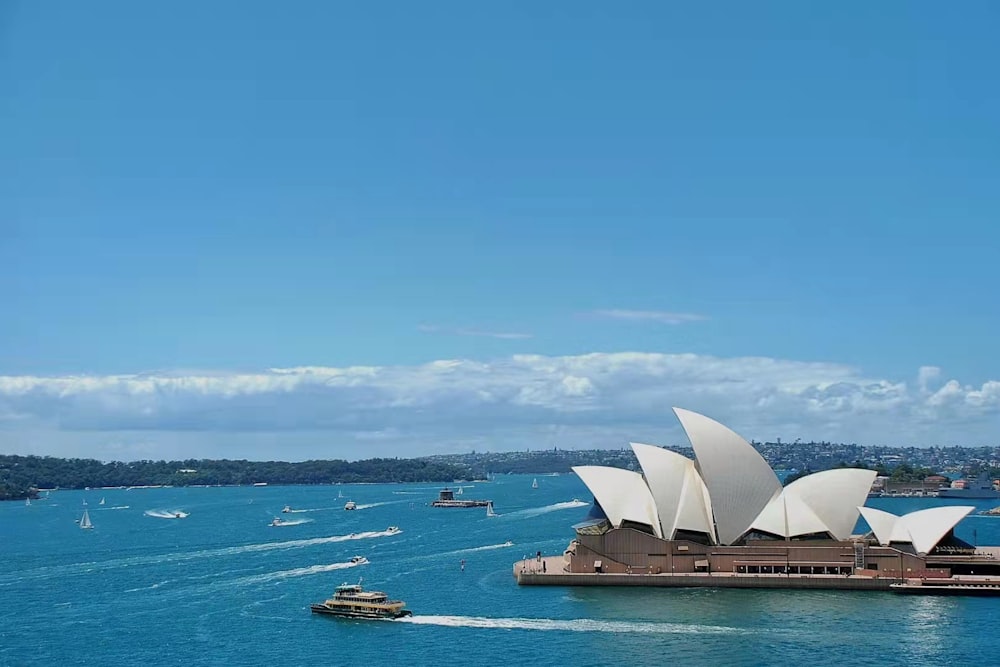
(197, 576)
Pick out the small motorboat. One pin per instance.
(392, 530)
(286, 509)
(351, 505)
(359, 560)
(277, 522)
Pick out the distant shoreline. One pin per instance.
(23, 477)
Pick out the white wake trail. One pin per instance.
(370, 505)
(291, 522)
(288, 574)
(572, 625)
(10, 578)
(536, 511)
(167, 514)
(488, 547)
(315, 509)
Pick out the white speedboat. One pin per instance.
(351, 505)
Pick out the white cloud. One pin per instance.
(591, 400)
(661, 316)
(926, 375)
(462, 331)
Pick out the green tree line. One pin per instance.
(22, 476)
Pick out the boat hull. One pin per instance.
(460, 503)
(323, 609)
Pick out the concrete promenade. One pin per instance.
(529, 572)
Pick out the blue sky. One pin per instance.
(194, 192)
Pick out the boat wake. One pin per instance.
(167, 514)
(572, 625)
(151, 587)
(288, 574)
(488, 547)
(370, 505)
(537, 511)
(314, 509)
(116, 507)
(290, 522)
(10, 578)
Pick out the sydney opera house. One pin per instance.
(725, 519)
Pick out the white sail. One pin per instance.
(534, 483)
(489, 509)
(27, 501)
(102, 502)
(85, 520)
(459, 492)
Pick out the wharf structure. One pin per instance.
(724, 520)
(446, 498)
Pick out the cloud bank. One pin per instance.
(518, 402)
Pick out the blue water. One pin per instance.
(222, 587)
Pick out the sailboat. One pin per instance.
(27, 502)
(340, 494)
(102, 502)
(534, 483)
(489, 509)
(85, 520)
(459, 491)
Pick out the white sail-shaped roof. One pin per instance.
(834, 496)
(739, 480)
(923, 528)
(787, 516)
(682, 501)
(881, 523)
(824, 502)
(622, 494)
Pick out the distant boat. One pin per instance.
(340, 494)
(277, 522)
(980, 487)
(350, 505)
(287, 509)
(102, 502)
(534, 483)
(27, 502)
(459, 492)
(85, 520)
(489, 509)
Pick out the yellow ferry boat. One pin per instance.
(351, 601)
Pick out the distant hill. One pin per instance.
(21, 476)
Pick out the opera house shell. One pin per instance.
(726, 512)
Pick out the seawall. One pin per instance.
(528, 573)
